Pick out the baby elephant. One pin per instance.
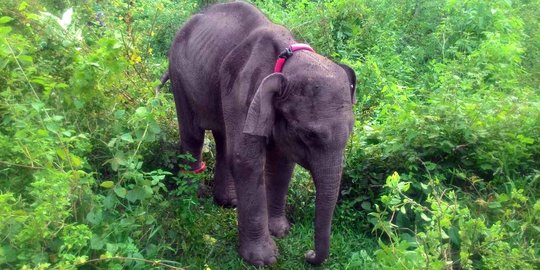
(270, 103)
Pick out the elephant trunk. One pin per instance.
(327, 178)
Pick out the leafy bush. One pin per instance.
(447, 96)
(451, 229)
(72, 133)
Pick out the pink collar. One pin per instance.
(288, 53)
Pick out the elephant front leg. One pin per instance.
(224, 191)
(256, 244)
(278, 171)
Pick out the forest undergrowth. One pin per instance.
(442, 170)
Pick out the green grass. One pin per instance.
(220, 224)
(449, 119)
(207, 234)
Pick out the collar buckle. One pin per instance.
(288, 52)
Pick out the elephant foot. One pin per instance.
(259, 253)
(225, 197)
(226, 201)
(279, 227)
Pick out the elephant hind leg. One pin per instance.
(224, 190)
(191, 135)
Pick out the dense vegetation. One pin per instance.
(442, 170)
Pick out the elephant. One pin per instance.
(265, 118)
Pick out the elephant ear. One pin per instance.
(352, 81)
(261, 113)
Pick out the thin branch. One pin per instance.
(22, 70)
(39, 99)
(155, 262)
(22, 165)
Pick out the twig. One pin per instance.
(39, 99)
(22, 71)
(425, 166)
(136, 151)
(156, 262)
(300, 25)
(21, 165)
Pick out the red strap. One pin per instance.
(200, 169)
(278, 68)
(300, 46)
(279, 65)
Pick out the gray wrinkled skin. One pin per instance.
(221, 70)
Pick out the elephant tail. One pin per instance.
(163, 80)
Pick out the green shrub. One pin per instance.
(447, 96)
(450, 229)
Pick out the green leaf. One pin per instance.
(117, 160)
(120, 192)
(107, 184)
(141, 111)
(454, 235)
(52, 126)
(444, 235)
(23, 5)
(5, 19)
(37, 105)
(62, 153)
(127, 137)
(75, 160)
(94, 217)
(405, 186)
(111, 142)
(525, 140)
(154, 127)
(486, 166)
(148, 191)
(424, 217)
(119, 114)
(136, 194)
(109, 201)
(26, 59)
(4, 30)
(494, 205)
(96, 243)
(7, 254)
(57, 118)
(366, 205)
(395, 200)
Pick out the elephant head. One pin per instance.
(307, 111)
